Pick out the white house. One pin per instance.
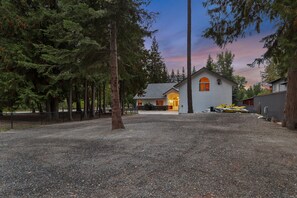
(161, 95)
(209, 89)
(279, 85)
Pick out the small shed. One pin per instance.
(248, 102)
(279, 85)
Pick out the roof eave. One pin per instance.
(173, 88)
(144, 98)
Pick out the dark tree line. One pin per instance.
(59, 50)
(175, 76)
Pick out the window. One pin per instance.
(204, 84)
(139, 103)
(159, 102)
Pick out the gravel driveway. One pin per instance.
(198, 156)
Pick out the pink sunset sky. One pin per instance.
(171, 23)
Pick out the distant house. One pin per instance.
(209, 89)
(279, 85)
(161, 95)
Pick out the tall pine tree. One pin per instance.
(173, 76)
(210, 65)
(156, 68)
(183, 73)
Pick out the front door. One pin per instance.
(175, 105)
(173, 101)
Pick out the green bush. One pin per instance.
(149, 106)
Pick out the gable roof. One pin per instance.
(279, 79)
(200, 71)
(172, 89)
(155, 90)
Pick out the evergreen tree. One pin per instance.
(183, 73)
(49, 47)
(210, 65)
(164, 74)
(156, 67)
(168, 77)
(271, 73)
(16, 86)
(194, 69)
(172, 76)
(178, 76)
(224, 64)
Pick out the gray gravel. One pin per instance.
(199, 156)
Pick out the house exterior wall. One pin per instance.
(278, 87)
(218, 94)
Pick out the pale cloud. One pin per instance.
(245, 50)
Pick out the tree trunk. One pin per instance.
(40, 108)
(291, 101)
(89, 104)
(48, 109)
(122, 96)
(77, 97)
(86, 100)
(104, 98)
(93, 100)
(117, 122)
(55, 108)
(99, 99)
(70, 102)
(189, 57)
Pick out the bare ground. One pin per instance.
(201, 155)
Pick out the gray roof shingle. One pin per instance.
(155, 90)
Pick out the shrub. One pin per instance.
(148, 106)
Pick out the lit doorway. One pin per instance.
(173, 101)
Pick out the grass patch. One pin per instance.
(4, 129)
(18, 126)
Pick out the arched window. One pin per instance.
(204, 84)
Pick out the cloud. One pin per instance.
(245, 50)
(172, 38)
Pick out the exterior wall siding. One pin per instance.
(218, 94)
(275, 103)
(279, 86)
